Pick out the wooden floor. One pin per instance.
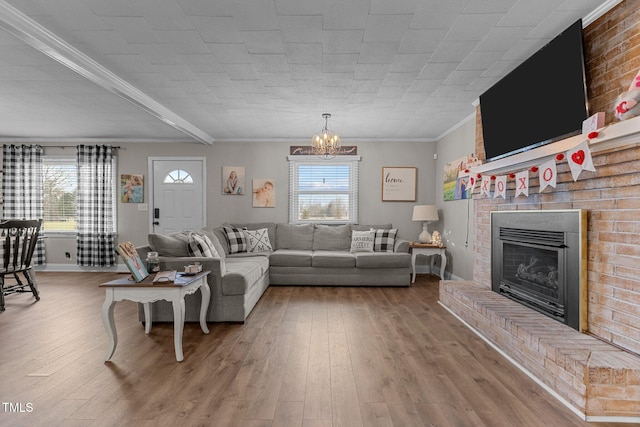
(307, 356)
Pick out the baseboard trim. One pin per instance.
(72, 268)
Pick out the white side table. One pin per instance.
(429, 250)
(146, 292)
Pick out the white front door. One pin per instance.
(178, 194)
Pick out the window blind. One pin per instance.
(323, 191)
(60, 190)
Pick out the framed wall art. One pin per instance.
(233, 180)
(399, 184)
(264, 193)
(131, 188)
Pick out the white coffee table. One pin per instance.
(146, 292)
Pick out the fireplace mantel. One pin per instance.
(614, 135)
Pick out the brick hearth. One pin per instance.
(595, 378)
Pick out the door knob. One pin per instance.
(156, 223)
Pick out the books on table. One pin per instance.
(132, 260)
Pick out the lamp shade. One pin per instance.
(425, 213)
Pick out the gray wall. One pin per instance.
(265, 160)
(456, 216)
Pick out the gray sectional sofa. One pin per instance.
(309, 254)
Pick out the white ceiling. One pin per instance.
(220, 70)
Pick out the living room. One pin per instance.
(463, 224)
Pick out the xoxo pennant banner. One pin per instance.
(547, 174)
(579, 159)
(472, 183)
(522, 183)
(485, 186)
(500, 189)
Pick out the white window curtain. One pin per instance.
(22, 187)
(322, 191)
(95, 221)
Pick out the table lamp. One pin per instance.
(425, 213)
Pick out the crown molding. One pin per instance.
(605, 7)
(43, 40)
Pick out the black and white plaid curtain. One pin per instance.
(95, 206)
(22, 187)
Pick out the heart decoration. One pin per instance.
(578, 157)
(472, 180)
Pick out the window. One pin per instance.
(178, 176)
(60, 189)
(323, 191)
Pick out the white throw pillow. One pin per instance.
(362, 241)
(258, 240)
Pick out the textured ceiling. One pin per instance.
(267, 69)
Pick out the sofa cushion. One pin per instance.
(382, 260)
(331, 237)
(236, 239)
(294, 236)
(290, 258)
(333, 259)
(362, 241)
(172, 245)
(385, 239)
(258, 240)
(243, 273)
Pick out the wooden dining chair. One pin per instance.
(18, 240)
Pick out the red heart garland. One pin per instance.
(472, 180)
(578, 157)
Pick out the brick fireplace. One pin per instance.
(596, 373)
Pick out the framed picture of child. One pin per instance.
(264, 193)
(131, 188)
(233, 180)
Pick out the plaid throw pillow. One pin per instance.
(201, 246)
(237, 240)
(384, 240)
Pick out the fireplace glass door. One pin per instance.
(532, 275)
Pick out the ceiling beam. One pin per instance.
(38, 37)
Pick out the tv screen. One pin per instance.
(543, 100)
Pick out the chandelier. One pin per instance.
(325, 144)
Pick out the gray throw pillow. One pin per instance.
(215, 239)
(171, 245)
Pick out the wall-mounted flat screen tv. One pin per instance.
(543, 100)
